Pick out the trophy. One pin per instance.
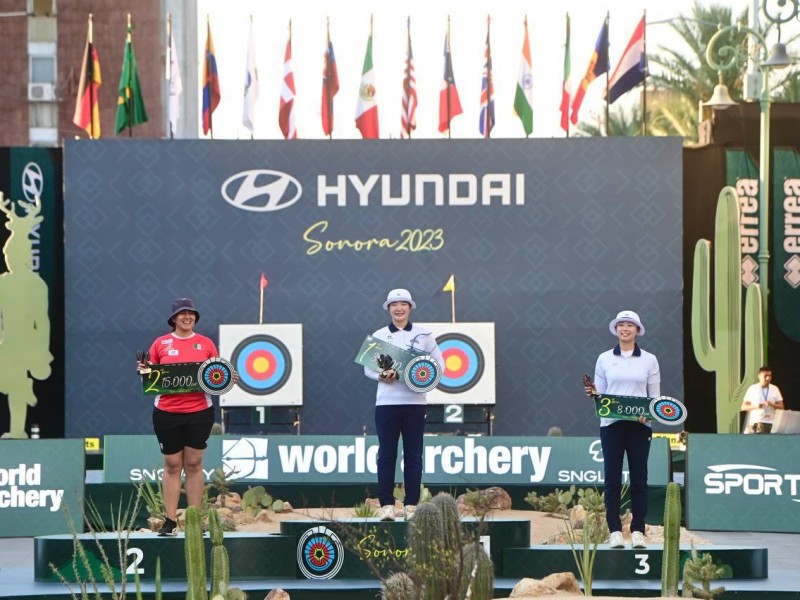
(144, 358)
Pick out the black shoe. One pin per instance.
(168, 528)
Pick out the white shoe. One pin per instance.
(408, 511)
(637, 540)
(386, 513)
(616, 540)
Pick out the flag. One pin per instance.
(264, 281)
(286, 111)
(367, 108)
(408, 115)
(566, 86)
(175, 85)
(598, 64)
(523, 99)
(449, 103)
(450, 286)
(130, 104)
(250, 84)
(487, 90)
(630, 70)
(87, 108)
(330, 86)
(211, 92)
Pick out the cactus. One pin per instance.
(429, 557)
(220, 566)
(477, 576)
(701, 569)
(255, 499)
(451, 541)
(195, 556)
(399, 587)
(723, 354)
(670, 562)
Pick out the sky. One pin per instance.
(349, 28)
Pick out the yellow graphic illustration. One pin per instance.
(24, 321)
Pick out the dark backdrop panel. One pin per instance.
(24, 174)
(599, 230)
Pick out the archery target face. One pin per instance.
(468, 373)
(268, 359)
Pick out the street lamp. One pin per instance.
(729, 58)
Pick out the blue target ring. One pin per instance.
(422, 373)
(667, 410)
(463, 363)
(215, 376)
(263, 363)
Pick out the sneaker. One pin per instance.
(637, 540)
(408, 512)
(386, 513)
(168, 528)
(616, 540)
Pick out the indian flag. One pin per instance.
(523, 100)
(367, 108)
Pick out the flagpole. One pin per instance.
(527, 135)
(566, 52)
(328, 97)
(168, 70)
(453, 301)
(408, 77)
(487, 118)
(129, 99)
(261, 305)
(91, 72)
(251, 32)
(449, 57)
(206, 82)
(644, 74)
(608, 40)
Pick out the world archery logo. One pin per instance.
(320, 553)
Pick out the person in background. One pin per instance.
(182, 422)
(626, 370)
(398, 410)
(761, 399)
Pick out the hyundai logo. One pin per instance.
(32, 181)
(261, 190)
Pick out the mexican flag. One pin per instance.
(367, 108)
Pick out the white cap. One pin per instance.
(398, 295)
(626, 316)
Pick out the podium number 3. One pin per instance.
(644, 566)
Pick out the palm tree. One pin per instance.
(683, 78)
(621, 122)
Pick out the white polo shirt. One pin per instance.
(411, 337)
(631, 373)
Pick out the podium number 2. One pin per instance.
(454, 413)
(133, 568)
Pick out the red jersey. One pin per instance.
(170, 348)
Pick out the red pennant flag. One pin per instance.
(264, 281)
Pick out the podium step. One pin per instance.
(252, 556)
(628, 563)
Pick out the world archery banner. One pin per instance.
(269, 361)
(468, 373)
(786, 245)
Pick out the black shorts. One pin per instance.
(176, 431)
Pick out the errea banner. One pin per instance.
(292, 459)
(743, 483)
(41, 482)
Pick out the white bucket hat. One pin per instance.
(398, 295)
(626, 316)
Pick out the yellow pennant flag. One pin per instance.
(450, 286)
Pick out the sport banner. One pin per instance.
(742, 483)
(327, 459)
(786, 245)
(742, 175)
(41, 487)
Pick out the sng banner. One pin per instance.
(291, 459)
(759, 490)
(41, 481)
